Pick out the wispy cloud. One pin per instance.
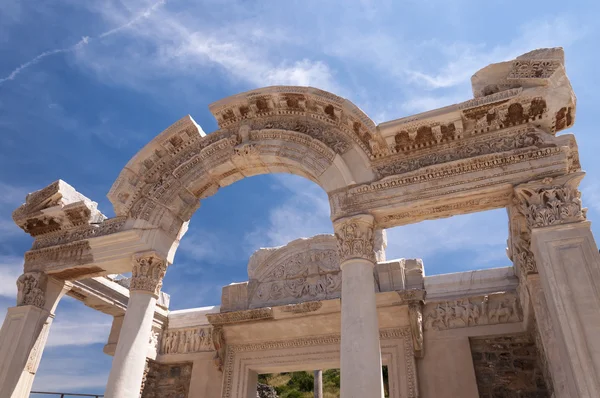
(11, 267)
(70, 316)
(84, 40)
(303, 213)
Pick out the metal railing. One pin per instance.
(65, 394)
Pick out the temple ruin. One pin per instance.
(336, 301)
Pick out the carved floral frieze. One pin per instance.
(460, 313)
(517, 139)
(148, 272)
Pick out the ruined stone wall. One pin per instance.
(508, 367)
(167, 380)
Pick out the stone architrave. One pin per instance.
(360, 350)
(568, 263)
(127, 372)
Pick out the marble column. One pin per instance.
(568, 263)
(318, 374)
(25, 331)
(127, 371)
(360, 350)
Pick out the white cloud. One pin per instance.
(71, 316)
(304, 213)
(11, 267)
(174, 45)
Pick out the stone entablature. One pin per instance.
(453, 160)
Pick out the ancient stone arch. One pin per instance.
(499, 149)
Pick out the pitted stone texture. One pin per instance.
(167, 380)
(508, 367)
(265, 391)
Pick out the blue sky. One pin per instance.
(85, 84)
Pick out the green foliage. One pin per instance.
(301, 384)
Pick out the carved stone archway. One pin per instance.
(499, 149)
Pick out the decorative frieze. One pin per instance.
(148, 272)
(75, 253)
(32, 289)
(303, 270)
(515, 139)
(309, 306)
(187, 340)
(551, 201)
(487, 310)
(257, 314)
(355, 237)
(84, 232)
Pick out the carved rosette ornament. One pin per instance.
(32, 289)
(148, 272)
(355, 237)
(551, 201)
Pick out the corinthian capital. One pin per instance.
(149, 269)
(355, 237)
(551, 201)
(32, 289)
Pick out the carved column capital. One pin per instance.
(551, 201)
(149, 269)
(32, 289)
(355, 237)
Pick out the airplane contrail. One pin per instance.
(84, 40)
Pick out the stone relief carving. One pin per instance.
(219, 345)
(520, 138)
(32, 289)
(460, 313)
(394, 189)
(309, 306)
(240, 316)
(107, 227)
(551, 201)
(355, 238)
(415, 314)
(188, 340)
(533, 69)
(148, 272)
(290, 103)
(75, 253)
(303, 270)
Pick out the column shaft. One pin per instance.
(127, 371)
(129, 361)
(318, 374)
(360, 352)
